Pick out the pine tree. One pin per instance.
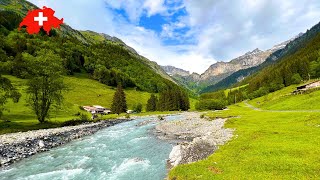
(152, 103)
(119, 103)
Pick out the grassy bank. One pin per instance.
(267, 145)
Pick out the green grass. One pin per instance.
(82, 91)
(226, 92)
(284, 100)
(267, 145)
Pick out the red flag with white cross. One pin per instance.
(41, 18)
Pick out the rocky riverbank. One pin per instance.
(16, 146)
(197, 138)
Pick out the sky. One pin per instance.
(191, 34)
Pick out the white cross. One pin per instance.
(41, 19)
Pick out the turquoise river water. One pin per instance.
(124, 151)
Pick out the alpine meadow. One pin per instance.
(159, 89)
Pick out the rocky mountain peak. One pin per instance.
(172, 71)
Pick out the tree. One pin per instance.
(45, 85)
(152, 103)
(137, 108)
(7, 91)
(296, 78)
(119, 103)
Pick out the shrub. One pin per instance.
(296, 78)
(84, 117)
(208, 104)
(73, 122)
(137, 108)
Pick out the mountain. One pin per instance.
(221, 70)
(94, 37)
(291, 47)
(172, 71)
(105, 58)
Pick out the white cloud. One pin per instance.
(154, 7)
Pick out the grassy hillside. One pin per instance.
(82, 91)
(284, 100)
(267, 145)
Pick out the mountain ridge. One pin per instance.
(221, 70)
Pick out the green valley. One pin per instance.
(268, 143)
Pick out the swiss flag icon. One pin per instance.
(41, 18)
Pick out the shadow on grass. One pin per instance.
(12, 127)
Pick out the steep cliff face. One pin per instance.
(171, 70)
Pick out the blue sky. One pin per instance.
(191, 34)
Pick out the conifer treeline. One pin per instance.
(173, 99)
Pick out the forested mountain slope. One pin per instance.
(105, 59)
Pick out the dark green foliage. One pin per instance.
(292, 69)
(112, 77)
(152, 103)
(45, 85)
(315, 68)
(7, 91)
(296, 79)
(210, 104)
(137, 108)
(219, 100)
(173, 99)
(119, 103)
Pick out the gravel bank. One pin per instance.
(16, 146)
(197, 138)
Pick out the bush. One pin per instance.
(73, 122)
(84, 117)
(296, 78)
(208, 104)
(137, 108)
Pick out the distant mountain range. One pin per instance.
(221, 70)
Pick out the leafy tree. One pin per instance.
(296, 78)
(315, 68)
(7, 91)
(45, 85)
(152, 103)
(119, 103)
(137, 108)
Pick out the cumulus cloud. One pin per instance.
(205, 31)
(230, 28)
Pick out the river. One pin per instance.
(124, 151)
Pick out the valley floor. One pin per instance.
(269, 143)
